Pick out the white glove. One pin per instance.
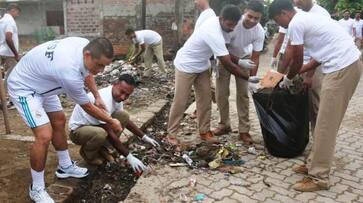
(135, 163)
(273, 62)
(286, 82)
(253, 79)
(246, 63)
(148, 139)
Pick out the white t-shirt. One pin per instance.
(326, 41)
(347, 25)
(204, 15)
(319, 10)
(358, 25)
(206, 41)
(52, 68)
(79, 117)
(241, 38)
(7, 24)
(286, 40)
(148, 37)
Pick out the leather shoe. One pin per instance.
(209, 137)
(246, 138)
(221, 131)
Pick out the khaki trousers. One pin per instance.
(93, 138)
(336, 91)
(314, 101)
(222, 95)
(151, 50)
(183, 86)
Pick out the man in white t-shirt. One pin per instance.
(206, 12)
(150, 43)
(328, 44)
(9, 41)
(247, 32)
(347, 23)
(313, 78)
(279, 49)
(94, 135)
(49, 69)
(357, 29)
(192, 69)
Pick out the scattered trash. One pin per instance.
(192, 182)
(262, 157)
(199, 197)
(183, 198)
(187, 159)
(252, 150)
(234, 162)
(107, 187)
(177, 164)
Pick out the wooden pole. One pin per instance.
(4, 107)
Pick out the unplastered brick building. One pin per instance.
(110, 18)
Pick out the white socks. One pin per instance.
(64, 160)
(38, 179)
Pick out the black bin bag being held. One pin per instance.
(284, 120)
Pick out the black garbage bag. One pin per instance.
(284, 120)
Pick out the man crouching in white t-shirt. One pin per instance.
(247, 33)
(94, 135)
(331, 46)
(192, 69)
(52, 68)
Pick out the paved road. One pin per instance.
(165, 184)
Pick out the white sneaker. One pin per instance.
(39, 195)
(72, 171)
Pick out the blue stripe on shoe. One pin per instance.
(27, 113)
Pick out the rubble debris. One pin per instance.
(252, 150)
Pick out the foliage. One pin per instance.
(339, 6)
(44, 34)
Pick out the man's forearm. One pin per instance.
(256, 59)
(310, 67)
(10, 43)
(131, 126)
(297, 53)
(96, 112)
(91, 84)
(115, 141)
(232, 67)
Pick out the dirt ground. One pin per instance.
(14, 155)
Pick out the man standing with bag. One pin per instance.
(248, 32)
(192, 69)
(329, 45)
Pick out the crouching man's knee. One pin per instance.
(123, 117)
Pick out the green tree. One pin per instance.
(339, 6)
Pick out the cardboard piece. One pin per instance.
(271, 79)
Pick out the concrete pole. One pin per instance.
(179, 15)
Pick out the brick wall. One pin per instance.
(111, 18)
(83, 17)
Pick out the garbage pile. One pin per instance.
(118, 67)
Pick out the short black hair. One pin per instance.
(129, 79)
(346, 10)
(278, 5)
(100, 46)
(256, 6)
(129, 31)
(231, 12)
(13, 6)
